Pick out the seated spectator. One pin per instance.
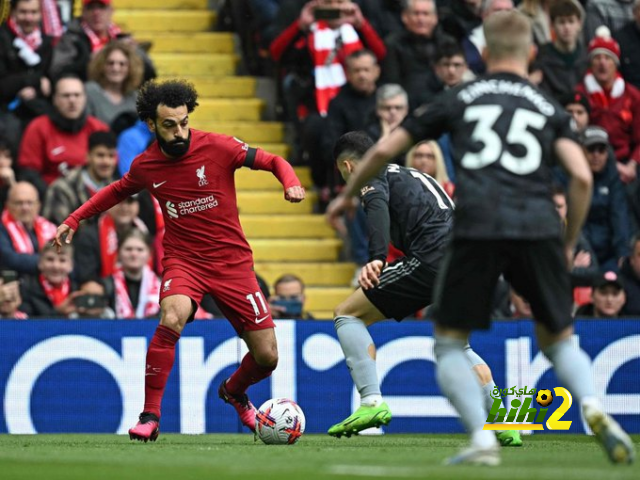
(577, 105)
(53, 144)
(607, 224)
(613, 14)
(630, 274)
(98, 263)
(66, 194)
(50, 292)
(411, 53)
(538, 13)
(450, 70)
(84, 37)
(7, 175)
(25, 58)
(115, 74)
(628, 37)
(288, 298)
(562, 63)
(23, 232)
(136, 288)
(615, 105)
(91, 302)
(426, 157)
(474, 42)
(131, 143)
(608, 298)
(392, 106)
(10, 301)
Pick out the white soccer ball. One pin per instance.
(280, 421)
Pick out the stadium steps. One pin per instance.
(285, 237)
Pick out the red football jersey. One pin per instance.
(198, 198)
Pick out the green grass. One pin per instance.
(217, 457)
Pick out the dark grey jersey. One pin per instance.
(503, 132)
(411, 210)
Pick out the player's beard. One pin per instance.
(175, 148)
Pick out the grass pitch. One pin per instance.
(216, 457)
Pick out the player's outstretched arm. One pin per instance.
(283, 171)
(575, 163)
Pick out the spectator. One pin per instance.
(615, 105)
(392, 106)
(288, 298)
(630, 274)
(25, 58)
(10, 301)
(50, 293)
(84, 37)
(136, 287)
(98, 263)
(474, 42)
(563, 62)
(91, 302)
(55, 143)
(613, 14)
(67, 193)
(115, 74)
(607, 224)
(450, 70)
(538, 13)
(23, 231)
(608, 298)
(460, 17)
(628, 38)
(426, 157)
(7, 175)
(577, 105)
(384, 15)
(411, 52)
(131, 143)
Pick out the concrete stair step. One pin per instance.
(181, 64)
(220, 87)
(273, 203)
(225, 109)
(191, 42)
(134, 21)
(298, 250)
(325, 298)
(255, 180)
(286, 226)
(312, 274)
(250, 132)
(165, 4)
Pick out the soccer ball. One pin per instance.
(544, 397)
(280, 421)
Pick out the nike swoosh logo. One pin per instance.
(260, 320)
(156, 185)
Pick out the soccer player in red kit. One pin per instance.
(191, 174)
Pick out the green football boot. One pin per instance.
(361, 419)
(509, 438)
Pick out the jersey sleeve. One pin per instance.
(429, 121)
(375, 199)
(563, 123)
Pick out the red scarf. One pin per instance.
(597, 96)
(147, 301)
(55, 294)
(98, 43)
(108, 239)
(33, 39)
(45, 231)
(51, 23)
(329, 48)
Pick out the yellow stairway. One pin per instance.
(286, 238)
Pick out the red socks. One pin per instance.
(160, 356)
(248, 374)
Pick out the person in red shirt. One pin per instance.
(191, 174)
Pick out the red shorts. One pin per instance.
(237, 294)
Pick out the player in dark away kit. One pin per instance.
(410, 209)
(191, 174)
(505, 136)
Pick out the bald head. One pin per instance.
(23, 203)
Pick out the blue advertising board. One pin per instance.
(88, 376)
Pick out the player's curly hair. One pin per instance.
(172, 93)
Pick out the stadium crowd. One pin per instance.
(68, 127)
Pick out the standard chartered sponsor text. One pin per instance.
(198, 205)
